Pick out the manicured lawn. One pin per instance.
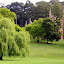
(47, 50)
(40, 54)
(32, 60)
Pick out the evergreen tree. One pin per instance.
(50, 30)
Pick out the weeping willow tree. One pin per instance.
(12, 42)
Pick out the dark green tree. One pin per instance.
(41, 10)
(28, 10)
(50, 30)
(23, 12)
(18, 8)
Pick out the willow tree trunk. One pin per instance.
(38, 40)
(1, 58)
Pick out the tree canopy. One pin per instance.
(50, 30)
(7, 13)
(45, 28)
(39, 10)
(57, 11)
(12, 41)
(36, 29)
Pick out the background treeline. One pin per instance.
(29, 10)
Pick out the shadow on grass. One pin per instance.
(59, 45)
(54, 44)
(9, 60)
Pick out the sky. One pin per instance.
(6, 2)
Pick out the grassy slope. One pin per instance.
(41, 54)
(55, 50)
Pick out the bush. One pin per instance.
(18, 28)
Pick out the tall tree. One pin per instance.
(57, 12)
(41, 10)
(28, 10)
(18, 8)
(52, 1)
(50, 30)
(23, 12)
(12, 42)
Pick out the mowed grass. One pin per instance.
(54, 50)
(32, 60)
(40, 54)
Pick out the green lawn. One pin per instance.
(40, 54)
(32, 60)
(55, 50)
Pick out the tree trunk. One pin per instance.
(16, 21)
(1, 58)
(47, 41)
(21, 23)
(38, 40)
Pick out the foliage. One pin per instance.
(18, 9)
(52, 1)
(18, 28)
(5, 22)
(36, 29)
(12, 41)
(28, 27)
(47, 29)
(39, 10)
(29, 10)
(42, 9)
(7, 13)
(1, 15)
(50, 30)
(57, 11)
(22, 40)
